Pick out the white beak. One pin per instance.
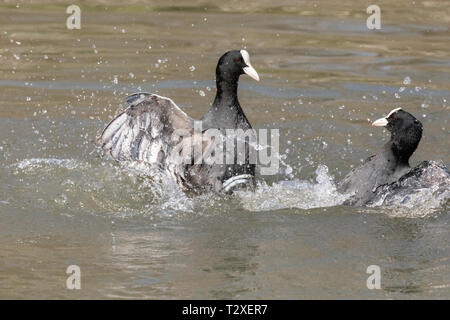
(380, 122)
(251, 72)
(249, 69)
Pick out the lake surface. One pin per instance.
(324, 77)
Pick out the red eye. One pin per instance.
(395, 118)
(237, 60)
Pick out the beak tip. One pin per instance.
(250, 71)
(380, 122)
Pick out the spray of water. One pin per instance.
(295, 193)
(125, 190)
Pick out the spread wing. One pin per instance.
(143, 132)
(154, 130)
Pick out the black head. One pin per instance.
(234, 63)
(406, 132)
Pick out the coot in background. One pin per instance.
(388, 165)
(143, 132)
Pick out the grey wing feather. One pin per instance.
(143, 131)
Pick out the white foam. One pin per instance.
(41, 162)
(294, 194)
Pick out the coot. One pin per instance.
(153, 129)
(387, 166)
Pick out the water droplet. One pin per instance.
(406, 81)
(288, 170)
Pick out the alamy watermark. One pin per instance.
(374, 280)
(74, 280)
(227, 146)
(374, 20)
(74, 20)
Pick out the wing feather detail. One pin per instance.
(144, 130)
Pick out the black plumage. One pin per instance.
(387, 166)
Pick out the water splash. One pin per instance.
(99, 187)
(38, 164)
(301, 194)
(125, 190)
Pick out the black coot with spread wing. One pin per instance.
(388, 165)
(145, 131)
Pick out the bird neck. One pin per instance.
(402, 149)
(226, 89)
(226, 99)
(225, 112)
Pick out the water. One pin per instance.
(323, 77)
